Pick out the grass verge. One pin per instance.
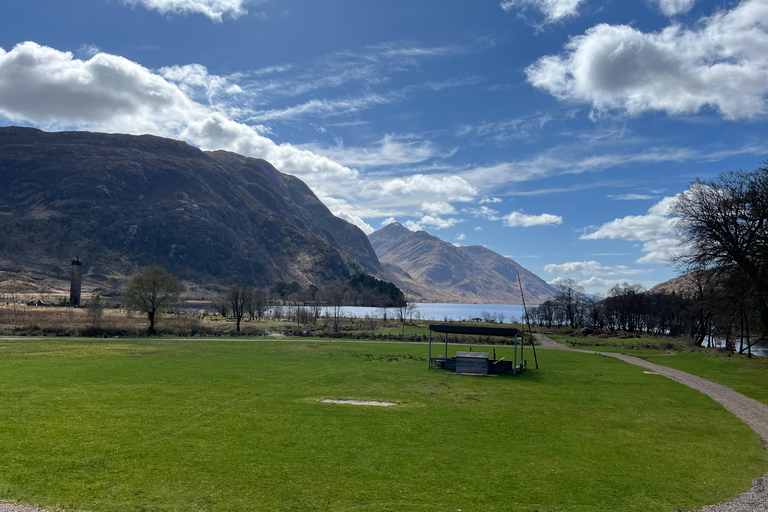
(745, 375)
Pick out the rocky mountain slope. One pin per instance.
(438, 270)
(123, 201)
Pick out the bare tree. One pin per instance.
(151, 291)
(238, 299)
(258, 304)
(570, 298)
(95, 311)
(724, 223)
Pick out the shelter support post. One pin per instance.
(446, 345)
(514, 368)
(429, 359)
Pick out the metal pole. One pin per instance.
(446, 345)
(528, 321)
(514, 368)
(429, 359)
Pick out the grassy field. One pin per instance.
(135, 425)
(747, 376)
(634, 346)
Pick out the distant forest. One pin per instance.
(359, 290)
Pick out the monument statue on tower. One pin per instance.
(76, 286)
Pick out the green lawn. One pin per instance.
(235, 425)
(747, 376)
(634, 346)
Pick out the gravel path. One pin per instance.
(749, 410)
(752, 412)
(8, 507)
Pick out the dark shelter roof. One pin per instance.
(479, 331)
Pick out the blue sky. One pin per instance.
(556, 132)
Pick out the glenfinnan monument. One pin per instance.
(76, 287)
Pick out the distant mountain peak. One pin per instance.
(436, 268)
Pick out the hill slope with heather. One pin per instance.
(123, 201)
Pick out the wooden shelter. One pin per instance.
(477, 362)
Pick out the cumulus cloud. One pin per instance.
(655, 229)
(489, 200)
(673, 7)
(194, 80)
(214, 9)
(452, 187)
(109, 93)
(461, 236)
(438, 208)
(432, 221)
(553, 10)
(591, 268)
(517, 219)
(592, 284)
(720, 64)
(354, 219)
(484, 212)
(388, 221)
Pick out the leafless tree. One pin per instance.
(724, 224)
(238, 299)
(151, 291)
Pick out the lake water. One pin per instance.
(447, 312)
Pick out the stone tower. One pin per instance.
(77, 282)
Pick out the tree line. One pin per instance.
(722, 225)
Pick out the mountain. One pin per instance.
(438, 270)
(123, 201)
(687, 283)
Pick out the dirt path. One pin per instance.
(749, 410)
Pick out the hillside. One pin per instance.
(441, 271)
(123, 201)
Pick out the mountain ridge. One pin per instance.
(463, 274)
(124, 201)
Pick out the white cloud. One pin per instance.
(109, 93)
(452, 187)
(438, 208)
(194, 80)
(214, 9)
(591, 268)
(438, 222)
(461, 236)
(322, 108)
(354, 219)
(433, 222)
(517, 219)
(484, 212)
(391, 150)
(722, 64)
(632, 197)
(388, 221)
(489, 200)
(554, 10)
(673, 7)
(593, 284)
(655, 229)
(414, 226)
